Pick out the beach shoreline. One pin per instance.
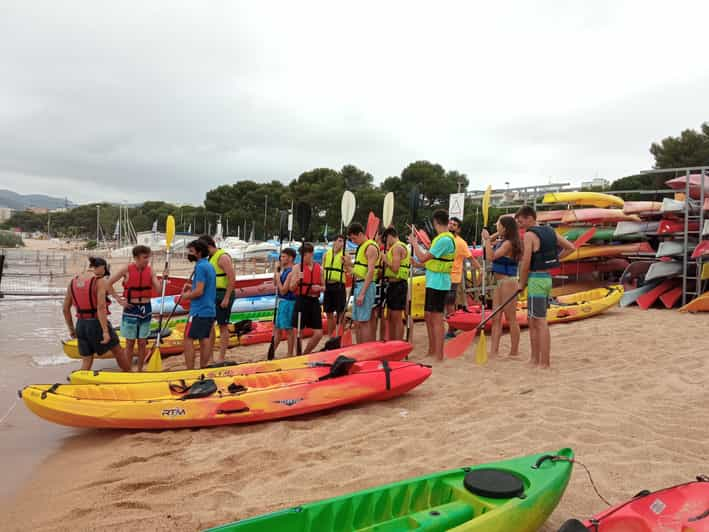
(633, 415)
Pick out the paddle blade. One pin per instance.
(271, 351)
(481, 350)
(457, 346)
(585, 237)
(346, 338)
(486, 204)
(388, 210)
(169, 230)
(348, 207)
(155, 361)
(372, 225)
(423, 238)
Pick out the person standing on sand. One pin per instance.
(364, 273)
(201, 292)
(438, 262)
(285, 301)
(336, 265)
(505, 254)
(87, 293)
(457, 295)
(307, 282)
(396, 262)
(224, 269)
(540, 254)
(139, 281)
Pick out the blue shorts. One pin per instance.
(364, 312)
(135, 322)
(199, 328)
(284, 316)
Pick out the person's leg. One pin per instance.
(313, 342)
(330, 323)
(223, 342)
(290, 336)
(534, 341)
(276, 339)
(86, 363)
(544, 345)
(130, 352)
(188, 347)
(396, 324)
(122, 359)
(427, 317)
(506, 290)
(142, 343)
(437, 333)
(496, 323)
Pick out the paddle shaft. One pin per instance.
(169, 317)
(497, 310)
(272, 348)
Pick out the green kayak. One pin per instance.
(602, 234)
(511, 495)
(254, 315)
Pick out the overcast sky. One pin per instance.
(164, 100)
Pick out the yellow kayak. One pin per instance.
(591, 199)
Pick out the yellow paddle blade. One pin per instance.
(486, 204)
(169, 230)
(155, 361)
(481, 350)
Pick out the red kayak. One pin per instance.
(683, 508)
(262, 331)
(668, 227)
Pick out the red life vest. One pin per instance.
(83, 295)
(311, 276)
(139, 284)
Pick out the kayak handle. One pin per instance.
(234, 411)
(553, 458)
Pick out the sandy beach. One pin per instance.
(628, 392)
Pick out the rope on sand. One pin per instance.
(9, 410)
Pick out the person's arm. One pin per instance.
(347, 262)
(293, 279)
(101, 291)
(66, 310)
(526, 259)
(121, 274)
(156, 284)
(194, 289)
(228, 267)
(421, 254)
(567, 247)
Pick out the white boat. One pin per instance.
(660, 270)
(705, 229)
(259, 250)
(670, 248)
(235, 247)
(631, 228)
(670, 205)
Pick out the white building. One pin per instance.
(6, 213)
(596, 182)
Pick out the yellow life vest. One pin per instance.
(222, 281)
(443, 264)
(404, 265)
(334, 267)
(361, 264)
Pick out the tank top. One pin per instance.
(289, 296)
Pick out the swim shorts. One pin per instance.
(538, 294)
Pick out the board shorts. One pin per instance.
(223, 314)
(89, 336)
(284, 315)
(334, 299)
(396, 295)
(363, 312)
(199, 328)
(538, 294)
(451, 295)
(135, 322)
(310, 313)
(435, 300)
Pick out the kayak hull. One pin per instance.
(592, 199)
(439, 501)
(586, 252)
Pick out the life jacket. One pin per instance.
(504, 265)
(361, 264)
(83, 298)
(334, 266)
(139, 284)
(444, 263)
(290, 296)
(404, 265)
(547, 257)
(311, 276)
(222, 280)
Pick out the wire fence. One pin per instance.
(34, 273)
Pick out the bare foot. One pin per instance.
(532, 363)
(513, 355)
(544, 366)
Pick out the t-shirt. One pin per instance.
(440, 280)
(462, 252)
(203, 306)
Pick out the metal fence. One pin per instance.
(34, 273)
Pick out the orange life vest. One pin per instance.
(311, 276)
(139, 283)
(83, 295)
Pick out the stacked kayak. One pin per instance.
(393, 350)
(510, 495)
(223, 400)
(593, 199)
(682, 508)
(698, 304)
(571, 307)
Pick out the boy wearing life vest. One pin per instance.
(285, 301)
(87, 293)
(364, 273)
(202, 292)
(139, 281)
(438, 262)
(396, 262)
(336, 266)
(540, 254)
(307, 283)
(224, 269)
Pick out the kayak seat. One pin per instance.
(493, 483)
(573, 525)
(339, 368)
(332, 344)
(201, 389)
(222, 364)
(242, 327)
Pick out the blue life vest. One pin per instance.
(504, 265)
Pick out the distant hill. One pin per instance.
(20, 202)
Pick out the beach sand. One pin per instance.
(628, 391)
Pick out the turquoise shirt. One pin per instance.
(439, 280)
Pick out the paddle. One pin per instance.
(584, 237)
(413, 210)
(387, 217)
(282, 229)
(457, 346)
(302, 213)
(481, 351)
(155, 358)
(372, 225)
